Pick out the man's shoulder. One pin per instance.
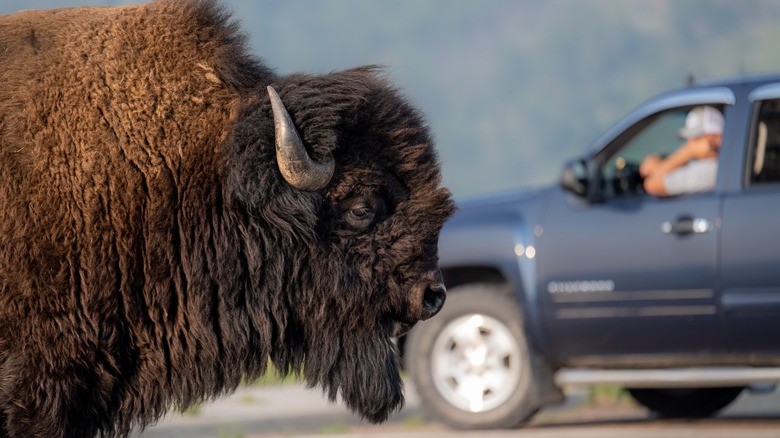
(696, 176)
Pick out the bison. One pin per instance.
(174, 216)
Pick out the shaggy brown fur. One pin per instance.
(153, 256)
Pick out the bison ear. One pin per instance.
(297, 168)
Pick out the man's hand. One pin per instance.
(649, 165)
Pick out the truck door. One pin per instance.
(750, 274)
(631, 274)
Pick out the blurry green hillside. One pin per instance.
(512, 88)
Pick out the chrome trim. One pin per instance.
(668, 378)
(633, 312)
(639, 295)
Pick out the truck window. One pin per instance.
(620, 173)
(654, 135)
(765, 150)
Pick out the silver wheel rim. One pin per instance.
(476, 363)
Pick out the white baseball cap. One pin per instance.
(702, 120)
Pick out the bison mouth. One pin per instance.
(401, 328)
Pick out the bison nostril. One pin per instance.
(433, 299)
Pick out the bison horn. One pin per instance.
(297, 168)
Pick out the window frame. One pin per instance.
(616, 137)
(756, 99)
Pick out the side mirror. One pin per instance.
(575, 177)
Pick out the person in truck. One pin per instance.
(693, 167)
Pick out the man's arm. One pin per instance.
(655, 169)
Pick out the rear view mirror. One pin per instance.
(575, 177)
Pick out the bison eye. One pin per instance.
(364, 212)
(361, 213)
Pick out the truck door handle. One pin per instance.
(686, 225)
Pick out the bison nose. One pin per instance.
(433, 298)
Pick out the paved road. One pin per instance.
(296, 411)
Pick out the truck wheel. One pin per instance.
(471, 365)
(685, 402)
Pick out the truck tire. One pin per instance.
(685, 402)
(471, 365)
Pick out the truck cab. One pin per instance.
(593, 280)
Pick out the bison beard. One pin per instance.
(173, 214)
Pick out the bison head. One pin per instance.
(339, 185)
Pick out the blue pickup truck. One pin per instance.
(593, 281)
